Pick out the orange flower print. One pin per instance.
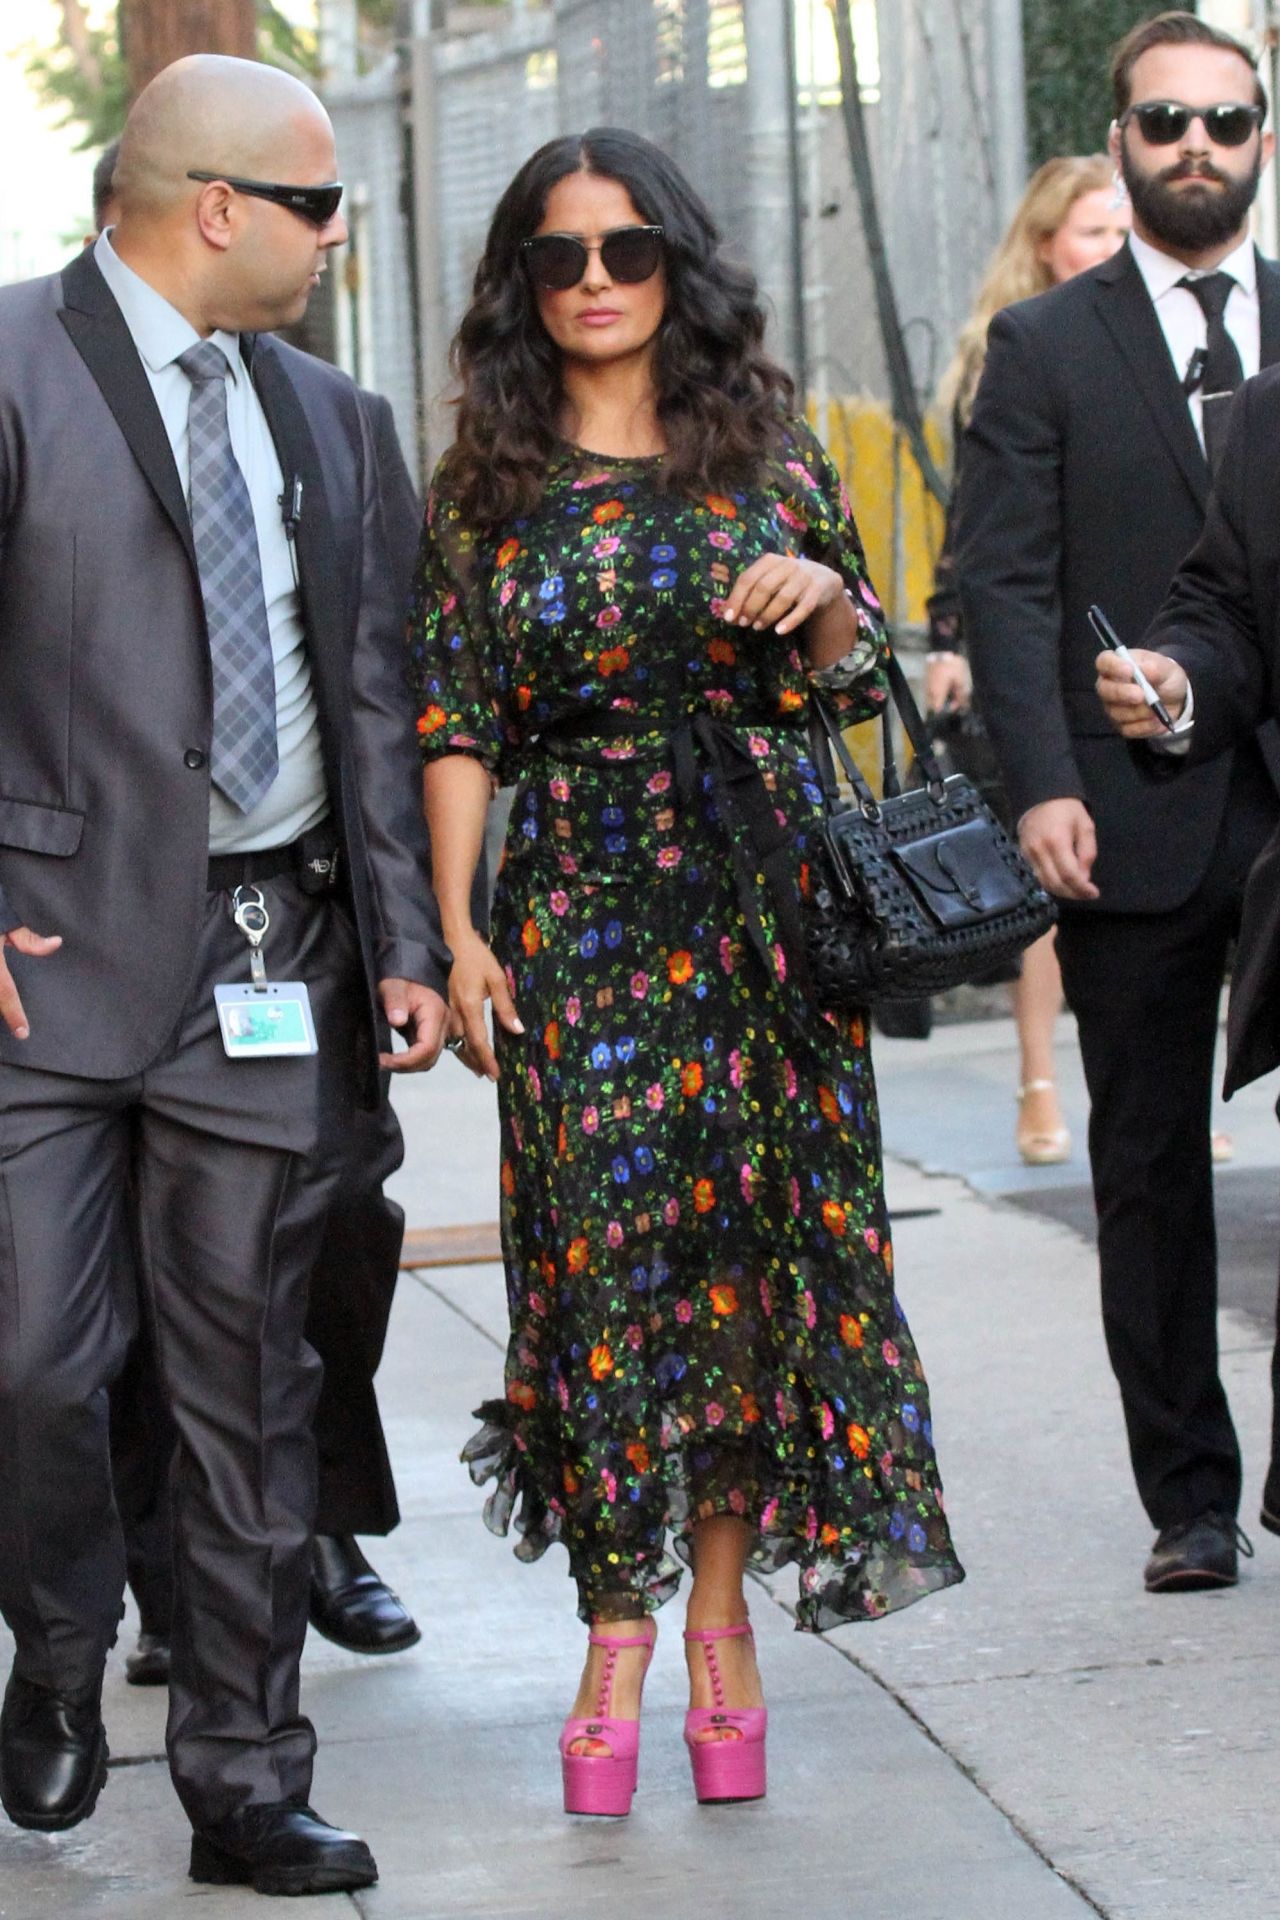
(551, 1038)
(614, 660)
(578, 1251)
(432, 720)
(680, 967)
(718, 504)
(724, 1300)
(829, 1535)
(607, 510)
(833, 1218)
(859, 1441)
(521, 1394)
(600, 1361)
(571, 1481)
(888, 1257)
(507, 552)
(722, 652)
(857, 1033)
(828, 1105)
(691, 1078)
(750, 1409)
(524, 698)
(508, 1178)
(704, 1196)
(790, 700)
(530, 938)
(638, 1455)
(850, 1325)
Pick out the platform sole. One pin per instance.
(60, 1822)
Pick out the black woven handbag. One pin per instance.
(914, 893)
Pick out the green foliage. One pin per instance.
(1068, 48)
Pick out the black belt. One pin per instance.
(312, 860)
(743, 800)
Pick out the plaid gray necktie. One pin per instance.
(245, 758)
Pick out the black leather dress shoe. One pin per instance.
(1270, 1515)
(280, 1849)
(1198, 1553)
(148, 1664)
(53, 1755)
(351, 1605)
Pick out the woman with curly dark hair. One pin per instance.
(635, 559)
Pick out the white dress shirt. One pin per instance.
(297, 799)
(1182, 318)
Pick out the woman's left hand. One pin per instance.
(781, 590)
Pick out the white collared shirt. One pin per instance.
(298, 798)
(1182, 318)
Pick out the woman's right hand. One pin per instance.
(947, 683)
(475, 978)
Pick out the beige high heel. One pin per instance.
(1045, 1146)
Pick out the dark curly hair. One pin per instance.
(720, 399)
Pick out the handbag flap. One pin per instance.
(959, 876)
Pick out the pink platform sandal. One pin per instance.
(725, 1769)
(603, 1782)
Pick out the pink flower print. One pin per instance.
(715, 1413)
(507, 593)
(568, 864)
(717, 608)
(808, 1311)
(613, 1233)
(654, 1098)
(827, 1420)
(795, 1196)
(562, 1393)
(789, 1079)
(719, 699)
(810, 1524)
(608, 616)
(846, 504)
(726, 953)
(886, 1463)
(684, 1312)
(766, 1299)
(669, 857)
(671, 1213)
(769, 1514)
(780, 1407)
(603, 548)
(659, 782)
(758, 746)
(573, 1009)
(718, 538)
(537, 1304)
(891, 1355)
(639, 986)
(590, 1119)
(737, 1500)
(559, 788)
(510, 977)
(801, 473)
(792, 519)
(872, 1238)
(610, 1485)
(634, 1338)
(779, 961)
(735, 1069)
(868, 593)
(535, 1083)
(749, 1181)
(559, 903)
(449, 604)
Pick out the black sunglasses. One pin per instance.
(316, 204)
(557, 261)
(1163, 122)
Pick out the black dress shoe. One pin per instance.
(1192, 1554)
(280, 1849)
(148, 1664)
(53, 1755)
(1270, 1515)
(350, 1605)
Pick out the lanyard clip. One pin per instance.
(252, 918)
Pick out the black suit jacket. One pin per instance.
(1082, 480)
(1221, 619)
(105, 696)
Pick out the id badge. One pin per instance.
(261, 1023)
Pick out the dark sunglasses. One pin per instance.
(316, 204)
(1163, 122)
(557, 261)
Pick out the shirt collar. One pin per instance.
(160, 332)
(1161, 271)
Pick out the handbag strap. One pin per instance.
(826, 737)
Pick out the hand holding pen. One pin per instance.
(1143, 693)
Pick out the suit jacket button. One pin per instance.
(193, 758)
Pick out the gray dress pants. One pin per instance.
(227, 1167)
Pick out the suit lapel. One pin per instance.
(100, 336)
(1125, 308)
(1268, 312)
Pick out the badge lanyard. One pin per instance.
(266, 1018)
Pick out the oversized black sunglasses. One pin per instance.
(557, 261)
(1163, 122)
(316, 204)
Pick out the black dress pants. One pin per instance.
(1145, 990)
(352, 1288)
(223, 1171)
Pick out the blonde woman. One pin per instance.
(1071, 217)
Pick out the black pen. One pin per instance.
(1110, 639)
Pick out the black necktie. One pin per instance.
(1221, 371)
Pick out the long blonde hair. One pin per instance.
(1017, 270)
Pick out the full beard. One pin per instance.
(1190, 220)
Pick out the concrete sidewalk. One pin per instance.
(1043, 1742)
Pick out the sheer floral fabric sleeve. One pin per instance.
(454, 668)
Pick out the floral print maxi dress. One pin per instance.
(699, 1269)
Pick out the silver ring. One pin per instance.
(455, 1045)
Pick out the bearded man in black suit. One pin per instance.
(1085, 478)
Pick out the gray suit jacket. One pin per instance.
(105, 700)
